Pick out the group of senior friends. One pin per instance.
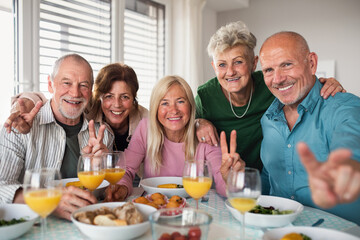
(236, 99)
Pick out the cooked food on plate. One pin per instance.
(295, 236)
(269, 210)
(76, 184)
(126, 214)
(159, 200)
(170, 185)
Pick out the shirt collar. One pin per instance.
(308, 104)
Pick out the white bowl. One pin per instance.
(263, 220)
(98, 192)
(150, 186)
(315, 233)
(114, 232)
(10, 211)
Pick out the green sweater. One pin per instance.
(212, 105)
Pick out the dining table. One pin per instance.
(223, 227)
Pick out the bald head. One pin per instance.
(292, 39)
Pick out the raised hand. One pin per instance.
(331, 87)
(206, 132)
(334, 181)
(22, 119)
(229, 159)
(95, 144)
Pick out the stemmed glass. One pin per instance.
(197, 179)
(115, 167)
(91, 171)
(42, 192)
(243, 189)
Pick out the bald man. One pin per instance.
(300, 114)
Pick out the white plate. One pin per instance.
(263, 220)
(114, 232)
(150, 186)
(98, 193)
(316, 233)
(10, 211)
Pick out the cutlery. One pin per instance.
(318, 222)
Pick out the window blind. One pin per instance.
(144, 44)
(74, 26)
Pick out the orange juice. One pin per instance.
(243, 204)
(91, 179)
(43, 201)
(113, 175)
(197, 187)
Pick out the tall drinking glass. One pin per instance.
(42, 192)
(91, 171)
(197, 178)
(115, 167)
(243, 189)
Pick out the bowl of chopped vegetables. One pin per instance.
(15, 220)
(270, 211)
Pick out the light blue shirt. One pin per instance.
(324, 125)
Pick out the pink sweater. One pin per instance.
(173, 159)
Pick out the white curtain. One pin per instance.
(187, 40)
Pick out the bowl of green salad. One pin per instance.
(15, 220)
(270, 211)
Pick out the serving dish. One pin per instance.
(315, 233)
(98, 193)
(17, 211)
(150, 186)
(262, 220)
(114, 232)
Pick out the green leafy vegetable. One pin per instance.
(11, 222)
(269, 210)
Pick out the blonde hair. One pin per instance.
(231, 35)
(155, 138)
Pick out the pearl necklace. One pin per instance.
(247, 108)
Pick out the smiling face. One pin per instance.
(71, 89)
(288, 68)
(233, 68)
(117, 104)
(174, 113)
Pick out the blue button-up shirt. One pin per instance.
(324, 125)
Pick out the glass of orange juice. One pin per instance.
(197, 178)
(42, 192)
(91, 171)
(243, 187)
(115, 167)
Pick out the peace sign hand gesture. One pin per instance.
(229, 159)
(95, 144)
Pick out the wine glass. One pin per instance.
(91, 171)
(42, 192)
(243, 188)
(197, 178)
(115, 167)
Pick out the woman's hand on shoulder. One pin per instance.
(206, 132)
(331, 87)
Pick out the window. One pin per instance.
(6, 58)
(102, 31)
(83, 27)
(144, 44)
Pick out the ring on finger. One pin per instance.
(203, 139)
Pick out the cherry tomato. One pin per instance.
(194, 232)
(175, 234)
(165, 236)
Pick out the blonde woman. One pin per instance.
(165, 140)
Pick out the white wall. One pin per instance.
(331, 27)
